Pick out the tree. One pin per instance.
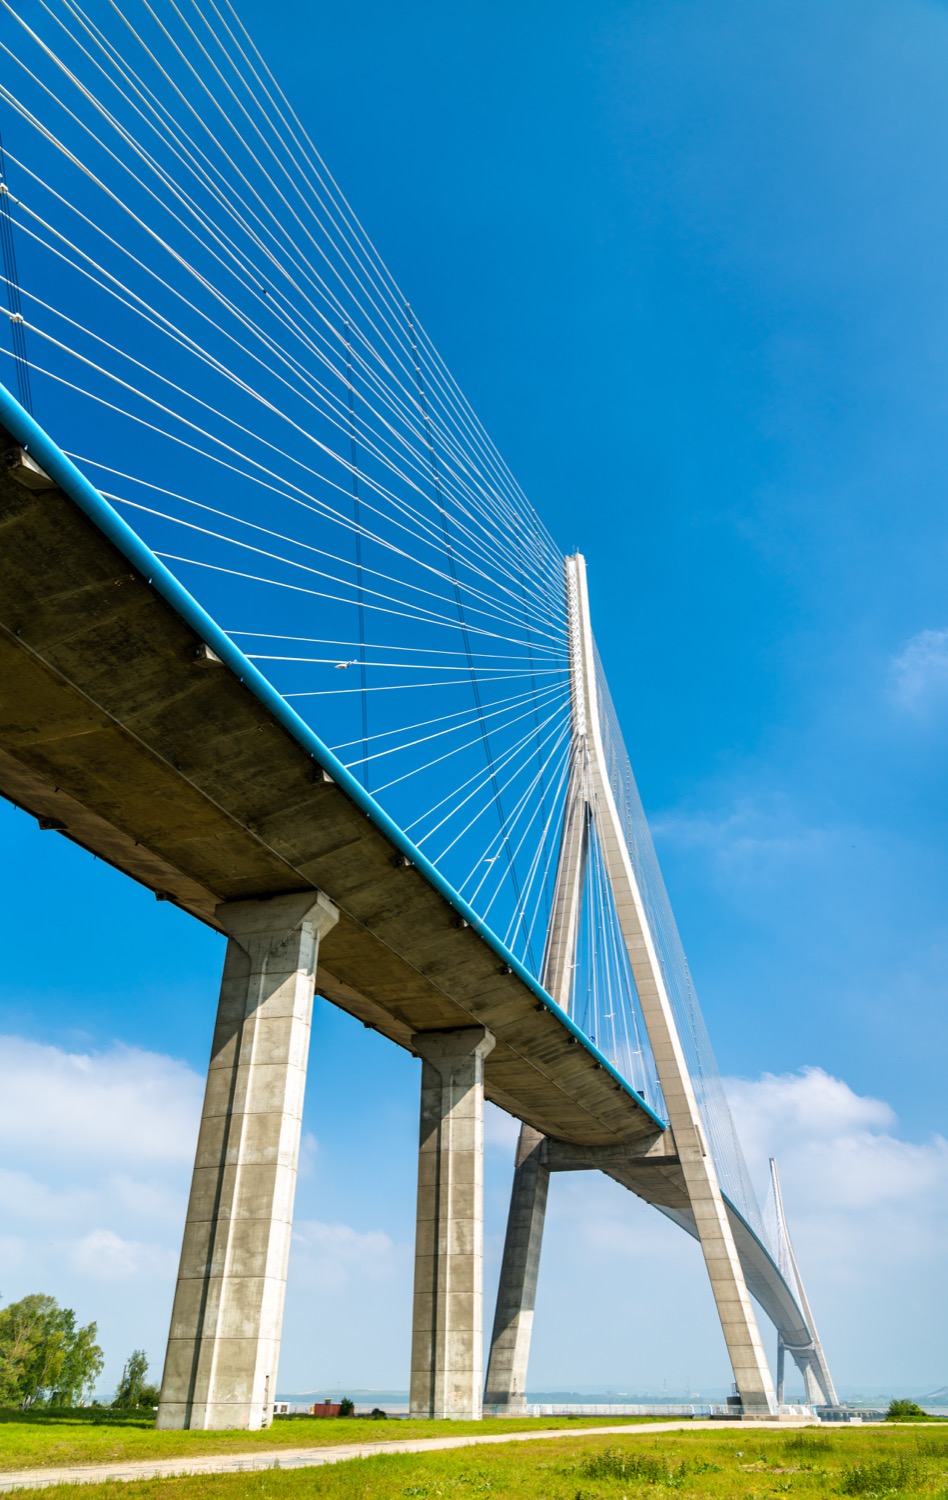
(45, 1359)
(902, 1410)
(133, 1389)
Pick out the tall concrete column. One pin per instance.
(447, 1356)
(517, 1291)
(224, 1344)
(732, 1298)
(738, 1322)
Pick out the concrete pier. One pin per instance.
(448, 1316)
(224, 1344)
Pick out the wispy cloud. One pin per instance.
(121, 1105)
(104, 1255)
(919, 673)
(747, 838)
(333, 1256)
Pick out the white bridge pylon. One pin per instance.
(591, 810)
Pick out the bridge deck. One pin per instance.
(117, 730)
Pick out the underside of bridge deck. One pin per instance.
(121, 731)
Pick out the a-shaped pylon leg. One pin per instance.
(811, 1362)
(735, 1311)
(813, 1392)
(811, 1384)
(517, 1292)
(590, 800)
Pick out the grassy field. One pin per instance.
(892, 1462)
(895, 1462)
(103, 1436)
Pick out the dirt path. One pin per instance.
(307, 1458)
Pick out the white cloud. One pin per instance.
(97, 1149)
(100, 1146)
(868, 1213)
(334, 1255)
(14, 1255)
(106, 1256)
(919, 674)
(806, 1105)
(623, 1293)
(30, 1201)
(309, 1151)
(122, 1105)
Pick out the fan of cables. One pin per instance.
(205, 327)
(215, 340)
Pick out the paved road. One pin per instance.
(307, 1458)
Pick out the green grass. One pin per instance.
(880, 1463)
(97, 1435)
(876, 1463)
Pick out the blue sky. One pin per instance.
(688, 263)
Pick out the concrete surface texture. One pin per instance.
(119, 731)
(224, 1345)
(517, 1291)
(590, 801)
(447, 1359)
(735, 1311)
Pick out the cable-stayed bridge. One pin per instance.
(283, 639)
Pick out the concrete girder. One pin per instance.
(118, 730)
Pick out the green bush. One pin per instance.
(808, 1445)
(885, 1477)
(933, 1447)
(902, 1410)
(613, 1464)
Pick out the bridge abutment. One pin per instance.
(224, 1345)
(448, 1312)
